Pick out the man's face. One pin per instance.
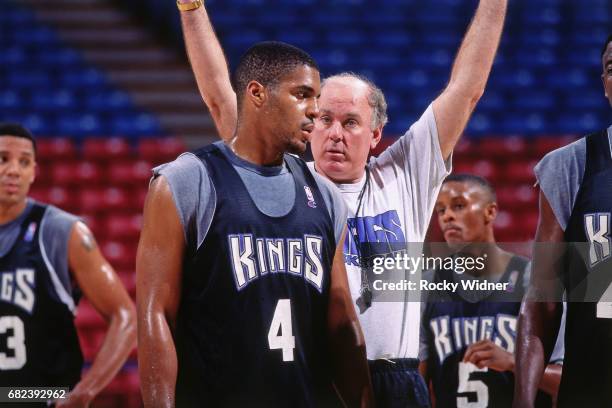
(343, 135)
(607, 72)
(464, 213)
(293, 104)
(17, 169)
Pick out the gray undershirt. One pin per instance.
(272, 189)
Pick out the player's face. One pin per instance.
(607, 72)
(17, 169)
(294, 102)
(462, 213)
(343, 135)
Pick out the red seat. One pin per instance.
(63, 174)
(546, 144)
(91, 201)
(520, 172)
(63, 198)
(521, 197)
(465, 150)
(123, 227)
(139, 199)
(87, 317)
(43, 176)
(106, 149)
(158, 151)
(91, 340)
(128, 278)
(55, 149)
(120, 255)
(116, 200)
(502, 147)
(131, 173)
(483, 168)
(88, 173)
(503, 224)
(39, 193)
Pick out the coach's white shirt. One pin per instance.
(404, 183)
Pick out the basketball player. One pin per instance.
(47, 258)
(575, 206)
(390, 199)
(468, 336)
(243, 295)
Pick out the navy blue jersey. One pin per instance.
(451, 324)
(587, 369)
(38, 340)
(252, 322)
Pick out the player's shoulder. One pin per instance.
(185, 165)
(563, 157)
(56, 222)
(58, 214)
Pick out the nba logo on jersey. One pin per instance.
(29, 235)
(311, 202)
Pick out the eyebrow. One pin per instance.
(24, 153)
(350, 115)
(304, 88)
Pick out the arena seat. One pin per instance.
(158, 151)
(130, 173)
(120, 255)
(55, 149)
(111, 149)
(123, 227)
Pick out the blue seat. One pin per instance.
(29, 79)
(83, 77)
(581, 123)
(81, 125)
(114, 101)
(60, 100)
(10, 99)
(133, 125)
(533, 100)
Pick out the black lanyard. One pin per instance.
(365, 291)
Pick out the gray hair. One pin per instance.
(376, 97)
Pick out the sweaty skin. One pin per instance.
(93, 274)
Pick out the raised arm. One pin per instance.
(158, 283)
(210, 69)
(541, 310)
(470, 73)
(104, 290)
(347, 344)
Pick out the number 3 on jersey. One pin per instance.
(14, 342)
(280, 335)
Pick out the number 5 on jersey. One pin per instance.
(280, 335)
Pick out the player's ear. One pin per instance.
(256, 93)
(603, 81)
(490, 212)
(376, 136)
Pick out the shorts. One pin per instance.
(397, 383)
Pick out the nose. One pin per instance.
(13, 169)
(447, 216)
(335, 132)
(313, 109)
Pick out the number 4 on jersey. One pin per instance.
(280, 335)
